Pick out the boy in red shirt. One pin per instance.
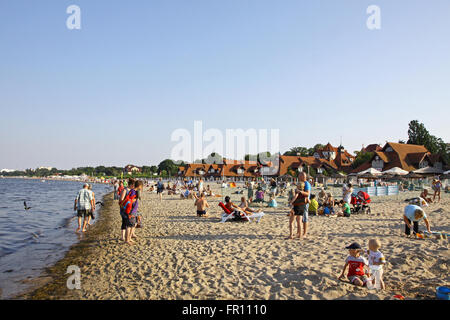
(356, 264)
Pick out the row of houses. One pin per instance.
(329, 158)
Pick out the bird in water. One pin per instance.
(25, 205)
(100, 203)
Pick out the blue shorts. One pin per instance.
(302, 210)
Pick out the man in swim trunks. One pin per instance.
(201, 204)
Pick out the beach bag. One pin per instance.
(127, 203)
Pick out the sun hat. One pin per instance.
(354, 245)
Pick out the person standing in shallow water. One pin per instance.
(84, 202)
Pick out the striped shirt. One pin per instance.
(84, 199)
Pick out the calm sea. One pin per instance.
(34, 239)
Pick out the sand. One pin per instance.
(181, 256)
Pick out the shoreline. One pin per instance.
(51, 284)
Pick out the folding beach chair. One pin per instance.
(236, 215)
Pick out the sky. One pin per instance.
(114, 91)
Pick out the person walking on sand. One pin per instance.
(116, 190)
(301, 206)
(83, 204)
(160, 188)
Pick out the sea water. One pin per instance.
(31, 240)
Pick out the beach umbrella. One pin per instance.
(371, 171)
(368, 176)
(445, 176)
(412, 175)
(396, 171)
(428, 171)
(338, 175)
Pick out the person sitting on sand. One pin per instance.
(244, 206)
(356, 266)
(259, 195)
(322, 197)
(231, 206)
(424, 195)
(329, 205)
(201, 204)
(209, 192)
(345, 209)
(413, 213)
(313, 206)
(272, 202)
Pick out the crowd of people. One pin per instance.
(365, 268)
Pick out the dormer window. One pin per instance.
(389, 149)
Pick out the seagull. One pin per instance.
(99, 202)
(25, 205)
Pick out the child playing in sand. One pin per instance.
(376, 262)
(313, 206)
(345, 209)
(356, 265)
(424, 195)
(201, 204)
(272, 202)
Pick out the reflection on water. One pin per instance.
(34, 239)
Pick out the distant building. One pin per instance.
(6, 170)
(372, 148)
(45, 168)
(237, 169)
(408, 157)
(130, 169)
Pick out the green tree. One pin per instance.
(419, 135)
(361, 158)
(168, 166)
(297, 151)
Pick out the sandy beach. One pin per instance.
(181, 256)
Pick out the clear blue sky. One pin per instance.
(113, 92)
